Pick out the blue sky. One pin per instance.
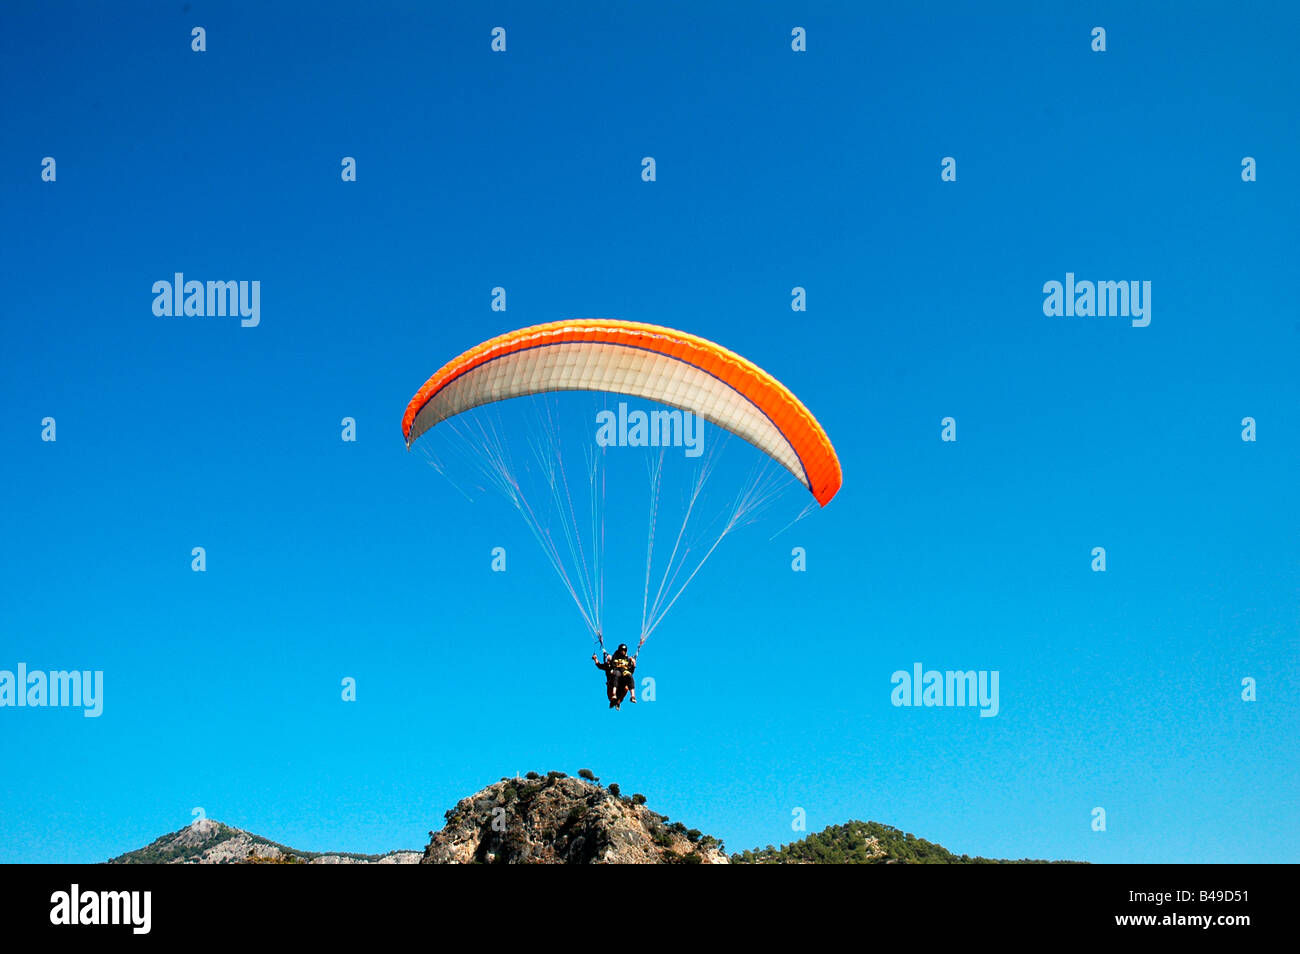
(775, 169)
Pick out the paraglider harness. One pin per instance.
(617, 667)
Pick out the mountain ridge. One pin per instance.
(560, 819)
(206, 841)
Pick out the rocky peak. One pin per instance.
(206, 841)
(561, 820)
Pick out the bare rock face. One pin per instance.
(392, 858)
(561, 820)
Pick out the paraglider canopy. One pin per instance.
(642, 360)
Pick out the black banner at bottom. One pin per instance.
(1174, 904)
